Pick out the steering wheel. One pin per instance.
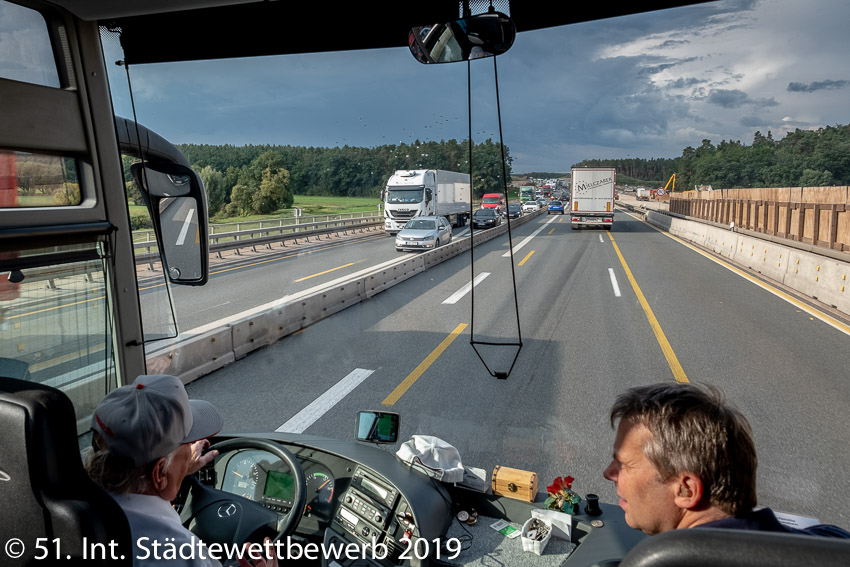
(216, 516)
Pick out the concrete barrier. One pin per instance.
(204, 350)
(763, 257)
(720, 241)
(195, 355)
(821, 278)
(818, 276)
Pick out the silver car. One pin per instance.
(424, 233)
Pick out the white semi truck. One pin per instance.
(592, 197)
(425, 192)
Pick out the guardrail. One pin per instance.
(267, 236)
(206, 349)
(148, 235)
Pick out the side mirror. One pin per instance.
(484, 35)
(177, 202)
(428, 195)
(377, 427)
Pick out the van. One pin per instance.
(493, 201)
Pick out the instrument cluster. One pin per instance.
(262, 477)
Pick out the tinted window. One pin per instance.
(25, 51)
(37, 180)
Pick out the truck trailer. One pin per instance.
(592, 197)
(424, 192)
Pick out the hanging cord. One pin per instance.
(122, 63)
(472, 341)
(471, 207)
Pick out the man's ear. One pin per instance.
(158, 476)
(690, 491)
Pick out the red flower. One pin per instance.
(560, 485)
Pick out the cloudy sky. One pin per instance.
(640, 86)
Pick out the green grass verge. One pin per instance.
(312, 205)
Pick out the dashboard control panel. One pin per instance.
(366, 507)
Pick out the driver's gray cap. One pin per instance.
(152, 417)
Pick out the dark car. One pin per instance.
(514, 210)
(555, 207)
(486, 218)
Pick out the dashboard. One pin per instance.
(263, 478)
(347, 499)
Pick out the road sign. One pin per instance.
(661, 192)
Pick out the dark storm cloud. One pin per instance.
(728, 98)
(673, 43)
(816, 86)
(664, 66)
(736, 99)
(752, 121)
(683, 82)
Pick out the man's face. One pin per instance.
(647, 502)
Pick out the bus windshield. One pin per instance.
(510, 343)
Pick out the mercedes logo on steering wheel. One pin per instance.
(226, 510)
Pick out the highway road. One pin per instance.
(598, 312)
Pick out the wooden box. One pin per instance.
(514, 483)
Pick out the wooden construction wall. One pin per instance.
(813, 215)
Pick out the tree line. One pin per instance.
(803, 158)
(260, 179)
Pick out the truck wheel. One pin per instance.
(574, 227)
(398, 249)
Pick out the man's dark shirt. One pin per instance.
(765, 520)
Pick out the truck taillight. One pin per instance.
(575, 219)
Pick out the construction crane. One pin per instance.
(671, 184)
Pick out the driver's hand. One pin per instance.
(262, 562)
(199, 458)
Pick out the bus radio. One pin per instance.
(375, 489)
(355, 504)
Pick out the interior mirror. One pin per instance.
(484, 35)
(176, 199)
(377, 427)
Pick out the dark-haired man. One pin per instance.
(684, 458)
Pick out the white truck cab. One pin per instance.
(426, 192)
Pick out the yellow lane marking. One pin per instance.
(551, 231)
(329, 271)
(823, 317)
(423, 366)
(527, 256)
(672, 360)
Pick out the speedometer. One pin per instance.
(242, 477)
(320, 493)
